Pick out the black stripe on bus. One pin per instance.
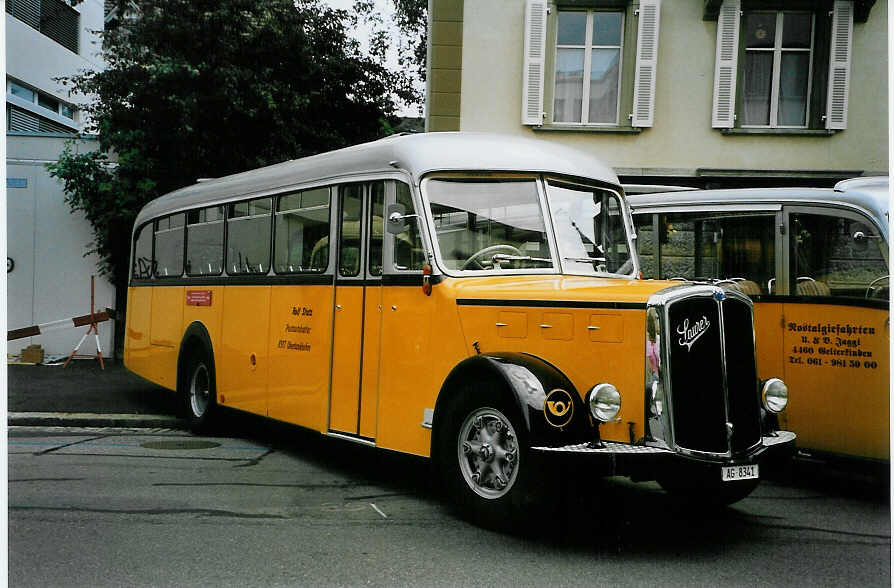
(247, 280)
(830, 300)
(551, 303)
(287, 280)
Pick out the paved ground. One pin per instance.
(284, 507)
(83, 388)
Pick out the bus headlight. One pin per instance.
(774, 395)
(604, 401)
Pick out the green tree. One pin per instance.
(411, 17)
(206, 88)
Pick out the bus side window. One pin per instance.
(645, 245)
(302, 232)
(351, 216)
(169, 246)
(204, 241)
(408, 252)
(735, 249)
(248, 237)
(837, 256)
(142, 255)
(376, 227)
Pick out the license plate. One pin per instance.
(739, 472)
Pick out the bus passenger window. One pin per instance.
(645, 245)
(351, 215)
(302, 232)
(408, 251)
(736, 249)
(204, 241)
(142, 255)
(169, 246)
(376, 227)
(837, 256)
(248, 237)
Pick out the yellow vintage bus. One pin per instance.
(472, 298)
(815, 263)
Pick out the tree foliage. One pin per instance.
(205, 88)
(412, 20)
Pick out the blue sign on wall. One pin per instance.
(16, 182)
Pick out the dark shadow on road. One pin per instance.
(575, 513)
(84, 387)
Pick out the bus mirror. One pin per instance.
(397, 219)
(861, 240)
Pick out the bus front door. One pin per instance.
(357, 315)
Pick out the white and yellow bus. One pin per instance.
(467, 297)
(815, 263)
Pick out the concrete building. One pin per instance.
(48, 273)
(703, 93)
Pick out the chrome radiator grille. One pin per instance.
(714, 404)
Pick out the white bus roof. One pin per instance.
(870, 195)
(416, 155)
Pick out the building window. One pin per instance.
(782, 66)
(22, 121)
(30, 111)
(778, 48)
(54, 18)
(588, 67)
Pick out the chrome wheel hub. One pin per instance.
(487, 449)
(199, 391)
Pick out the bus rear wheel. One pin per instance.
(197, 390)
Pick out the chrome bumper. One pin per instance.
(644, 462)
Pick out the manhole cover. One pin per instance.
(180, 444)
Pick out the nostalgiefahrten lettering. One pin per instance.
(833, 345)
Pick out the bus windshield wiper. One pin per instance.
(501, 257)
(584, 259)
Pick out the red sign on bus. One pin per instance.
(198, 297)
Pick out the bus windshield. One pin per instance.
(489, 224)
(590, 230)
(499, 224)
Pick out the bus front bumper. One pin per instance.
(642, 462)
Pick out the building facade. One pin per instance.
(702, 93)
(48, 269)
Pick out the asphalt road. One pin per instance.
(274, 506)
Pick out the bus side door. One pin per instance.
(836, 338)
(357, 311)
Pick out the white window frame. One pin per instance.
(777, 51)
(588, 48)
(38, 109)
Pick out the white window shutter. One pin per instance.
(840, 64)
(646, 63)
(534, 62)
(723, 111)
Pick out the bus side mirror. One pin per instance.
(861, 240)
(396, 219)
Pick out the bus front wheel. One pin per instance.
(483, 457)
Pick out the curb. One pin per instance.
(83, 419)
